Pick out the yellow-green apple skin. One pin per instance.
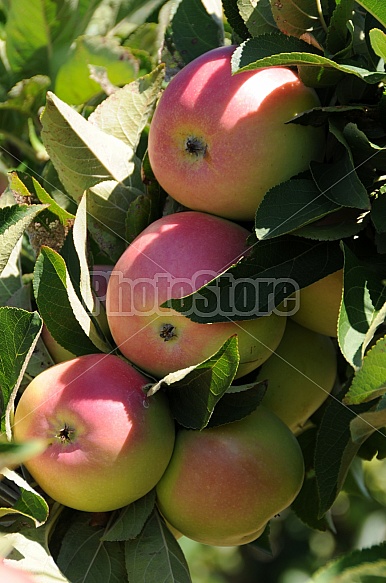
(57, 352)
(171, 258)
(218, 142)
(300, 375)
(319, 304)
(109, 443)
(11, 574)
(223, 484)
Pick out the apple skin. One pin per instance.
(192, 247)
(300, 374)
(319, 304)
(99, 277)
(118, 444)
(223, 484)
(218, 143)
(9, 574)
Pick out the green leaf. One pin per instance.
(363, 426)
(376, 7)
(369, 381)
(82, 154)
(43, 196)
(13, 222)
(271, 50)
(31, 544)
(289, 206)
(138, 216)
(296, 18)
(120, 65)
(155, 555)
(340, 224)
(194, 392)
(85, 557)
(59, 307)
(10, 278)
(257, 17)
(276, 268)
(362, 309)
(378, 213)
(233, 14)
(378, 42)
(131, 519)
(237, 402)
(338, 31)
(29, 504)
(125, 113)
(361, 565)
(19, 331)
(13, 454)
(335, 450)
(25, 98)
(195, 31)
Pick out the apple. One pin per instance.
(319, 304)
(300, 374)
(223, 484)
(99, 277)
(218, 142)
(109, 443)
(171, 258)
(10, 574)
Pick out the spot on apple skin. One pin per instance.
(196, 146)
(168, 331)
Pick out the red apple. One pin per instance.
(224, 484)
(218, 142)
(109, 442)
(10, 574)
(173, 257)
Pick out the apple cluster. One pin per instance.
(217, 143)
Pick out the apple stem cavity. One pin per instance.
(196, 146)
(65, 434)
(167, 332)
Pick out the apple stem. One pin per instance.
(196, 146)
(167, 332)
(65, 434)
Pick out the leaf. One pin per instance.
(289, 206)
(257, 16)
(29, 504)
(82, 154)
(120, 65)
(59, 307)
(13, 454)
(378, 214)
(131, 519)
(13, 222)
(369, 381)
(271, 50)
(194, 392)
(237, 402)
(339, 182)
(362, 564)
(334, 450)
(125, 113)
(338, 30)
(155, 555)
(368, 423)
(10, 278)
(31, 545)
(85, 557)
(340, 224)
(274, 269)
(195, 31)
(378, 42)
(296, 18)
(64, 216)
(19, 332)
(376, 7)
(362, 310)
(234, 15)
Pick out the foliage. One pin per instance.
(78, 84)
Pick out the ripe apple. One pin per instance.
(173, 257)
(10, 574)
(218, 142)
(109, 442)
(99, 277)
(224, 484)
(300, 374)
(319, 304)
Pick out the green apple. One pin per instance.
(109, 443)
(218, 142)
(223, 484)
(300, 374)
(171, 258)
(319, 304)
